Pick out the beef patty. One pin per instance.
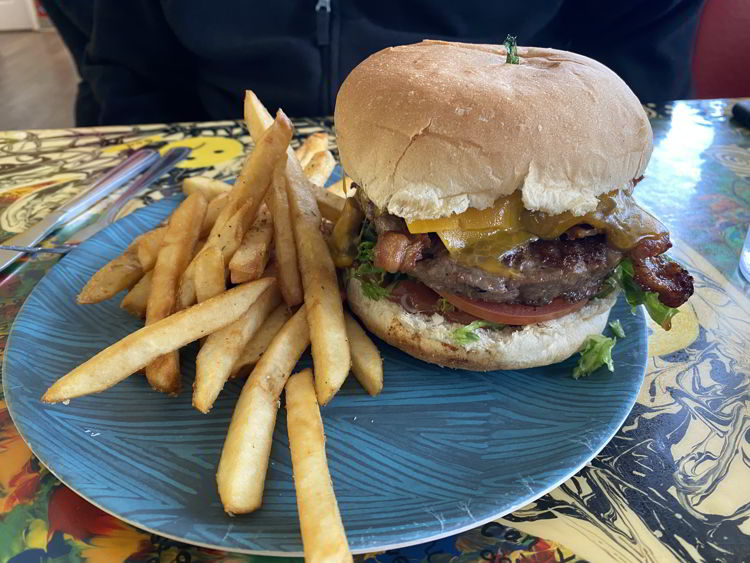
(570, 269)
(547, 269)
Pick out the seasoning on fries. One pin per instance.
(176, 250)
(136, 350)
(148, 247)
(244, 459)
(323, 536)
(260, 341)
(325, 314)
(120, 273)
(210, 279)
(221, 350)
(136, 300)
(251, 258)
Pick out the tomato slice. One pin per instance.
(513, 314)
(416, 297)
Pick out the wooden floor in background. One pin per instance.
(37, 81)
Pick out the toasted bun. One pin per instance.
(430, 338)
(434, 128)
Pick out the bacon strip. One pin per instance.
(650, 247)
(667, 278)
(396, 251)
(654, 272)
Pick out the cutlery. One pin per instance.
(162, 166)
(112, 180)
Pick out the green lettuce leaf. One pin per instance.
(617, 329)
(445, 306)
(370, 276)
(596, 352)
(466, 334)
(374, 291)
(658, 311)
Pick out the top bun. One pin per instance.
(434, 128)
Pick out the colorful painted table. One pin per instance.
(674, 483)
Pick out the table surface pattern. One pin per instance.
(672, 485)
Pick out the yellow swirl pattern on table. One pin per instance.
(720, 314)
(133, 145)
(684, 331)
(206, 151)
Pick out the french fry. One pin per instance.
(283, 353)
(120, 273)
(255, 176)
(244, 457)
(285, 249)
(148, 247)
(367, 364)
(220, 351)
(212, 213)
(343, 188)
(310, 146)
(329, 204)
(244, 199)
(323, 535)
(228, 240)
(260, 341)
(136, 350)
(174, 255)
(258, 120)
(209, 187)
(211, 274)
(320, 167)
(137, 298)
(272, 270)
(330, 347)
(186, 293)
(250, 259)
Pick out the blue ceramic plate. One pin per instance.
(438, 452)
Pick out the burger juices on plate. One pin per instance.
(494, 221)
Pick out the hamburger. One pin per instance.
(494, 221)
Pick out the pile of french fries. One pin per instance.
(246, 270)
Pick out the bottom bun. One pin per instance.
(430, 337)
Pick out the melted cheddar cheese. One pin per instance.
(480, 238)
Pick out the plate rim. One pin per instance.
(643, 336)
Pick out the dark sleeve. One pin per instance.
(73, 20)
(649, 43)
(137, 69)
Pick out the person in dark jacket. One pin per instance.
(145, 61)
